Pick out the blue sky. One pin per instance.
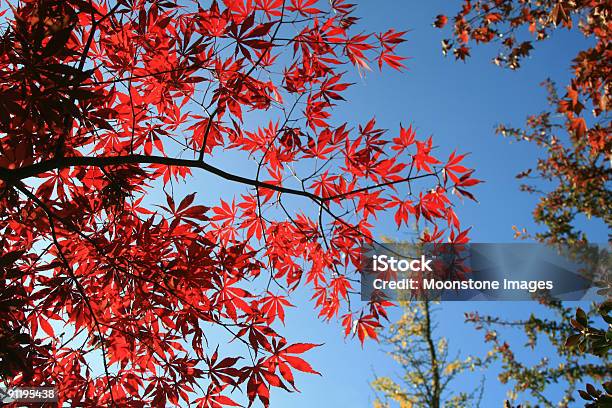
(459, 104)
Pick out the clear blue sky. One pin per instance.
(459, 104)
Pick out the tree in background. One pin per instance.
(575, 136)
(596, 340)
(429, 374)
(429, 377)
(576, 133)
(566, 369)
(111, 295)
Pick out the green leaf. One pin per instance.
(576, 325)
(592, 390)
(585, 396)
(581, 317)
(572, 340)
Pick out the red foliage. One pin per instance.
(575, 134)
(109, 297)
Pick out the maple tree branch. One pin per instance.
(246, 75)
(59, 148)
(388, 183)
(104, 161)
(206, 133)
(148, 75)
(52, 216)
(152, 279)
(21, 187)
